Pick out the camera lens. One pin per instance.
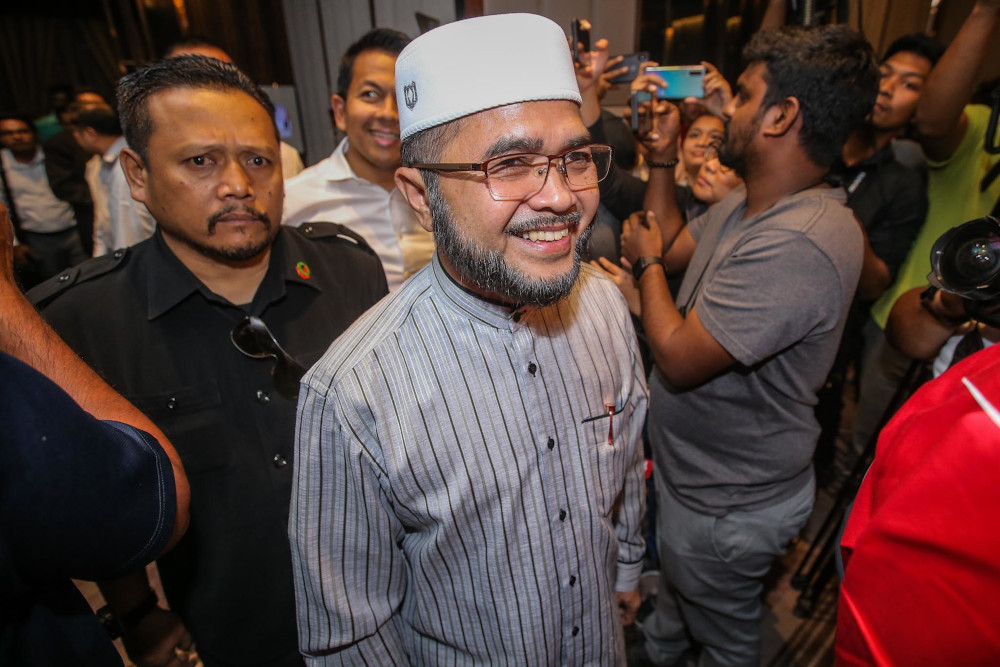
(967, 258)
(976, 259)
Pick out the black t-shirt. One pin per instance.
(162, 339)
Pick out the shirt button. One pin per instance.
(263, 396)
(171, 403)
(64, 277)
(532, 367)
(572, 580)
(307, 229)
(119, 254)
(576, 630)
(551, 443)
(562, 515)
(280, 461)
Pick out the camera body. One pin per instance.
(965, 261)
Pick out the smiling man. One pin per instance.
(355, 186)
(203, 327)
(469, 482)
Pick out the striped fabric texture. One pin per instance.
(469, 481)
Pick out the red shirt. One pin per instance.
(922, 545)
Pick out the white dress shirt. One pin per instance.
(119, 220)
(38, 209)
(330, 191)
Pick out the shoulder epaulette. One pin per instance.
(92, 268)
(333, 230)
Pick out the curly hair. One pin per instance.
(832, 72)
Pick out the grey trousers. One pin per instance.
(883, 368)
(712, 571)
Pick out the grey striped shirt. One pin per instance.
(457, 499)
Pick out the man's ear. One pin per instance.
(781, 117)
(135, 173)
(339, 106)
(410, 182)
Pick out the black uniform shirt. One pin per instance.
(162, 339)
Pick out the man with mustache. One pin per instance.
(469, 483)
(166, 322)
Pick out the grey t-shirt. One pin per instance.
(773, 289)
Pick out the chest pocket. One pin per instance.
(611, 455)
(193, 419)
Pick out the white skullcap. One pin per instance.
(468, 66)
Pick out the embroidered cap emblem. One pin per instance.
(410, 95)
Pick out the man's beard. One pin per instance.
(233, 253)
(488, 270)
(736, 152)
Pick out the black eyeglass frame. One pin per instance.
(483, 167)
(287, 372)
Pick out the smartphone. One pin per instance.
(632, 61)
(642, 113)
(581, 38)
(681, 82)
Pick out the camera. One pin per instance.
(965, 261)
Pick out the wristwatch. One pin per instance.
(640, 265)
(662, 165)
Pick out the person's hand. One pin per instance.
(628, 605)
(622, 277)
(160, 640)
(717, 93)
(588, 73)
(641, 236)
(612, 69)
(7, 247)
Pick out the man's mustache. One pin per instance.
(216, 217)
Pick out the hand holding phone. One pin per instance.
(631, 63)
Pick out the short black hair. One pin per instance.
(918, 43)
(21, 116)
(832, 72)
(190, 42)
(379, 39)
(190, 71)
(101, 119)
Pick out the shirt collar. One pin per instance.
(337, 168)
(497, 315)
(10, 162)
(111, 155)
(174, 282)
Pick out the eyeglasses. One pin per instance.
(254, 339)
(522, 175)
